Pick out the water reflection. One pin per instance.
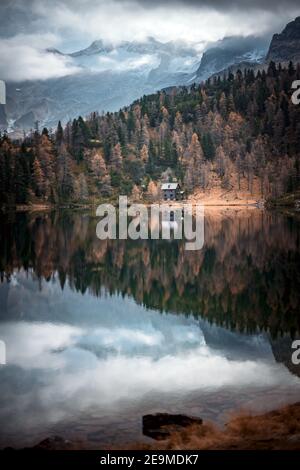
(246, 277)
(89, 366)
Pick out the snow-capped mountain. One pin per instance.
(98, 53)
(108, 77)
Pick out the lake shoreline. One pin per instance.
(278, 429)
(275, 430)
(209, 199)
(54, 207)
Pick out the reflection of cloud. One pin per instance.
(131, 372)
(106, 355)
(121, 377)
(54, 371)
(119, 337)
(31, 345)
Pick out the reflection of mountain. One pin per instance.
(282, 350)
(231, 344)
(122, 325)
(246, 277)
(115, 361)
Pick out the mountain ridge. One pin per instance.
(286, 45)
(230, 51)
(112, 76)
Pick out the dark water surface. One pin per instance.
(99, 333)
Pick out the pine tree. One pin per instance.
(47, 160)
(116, 158)
(152, 191)
(38, 178)
(135, 194)
(98, 165)
(59, 137)
(144, 155)
(81, 188)
(65, 175)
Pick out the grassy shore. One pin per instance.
(275, 430)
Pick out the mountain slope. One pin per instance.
(286, 45)
(231, 51)
(231, 134)
(110, 77)
(3, 120)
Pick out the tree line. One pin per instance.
(234, 131)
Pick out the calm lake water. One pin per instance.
(99, 333)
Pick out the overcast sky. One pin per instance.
(27, 27)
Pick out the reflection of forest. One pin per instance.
(246, 276)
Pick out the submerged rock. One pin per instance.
(160, 426)
(54, 443)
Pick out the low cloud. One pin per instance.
(118, 64)
(115, 21)
(28, 28)
(22, 60)
(223, 5)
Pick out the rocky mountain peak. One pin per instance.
(285, 46)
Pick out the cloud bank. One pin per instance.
(22, 60)
(28, 26)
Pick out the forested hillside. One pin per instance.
(235, 129)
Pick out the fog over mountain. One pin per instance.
(28, 28)
(64, 58)
(108, 77)
(231, 51)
